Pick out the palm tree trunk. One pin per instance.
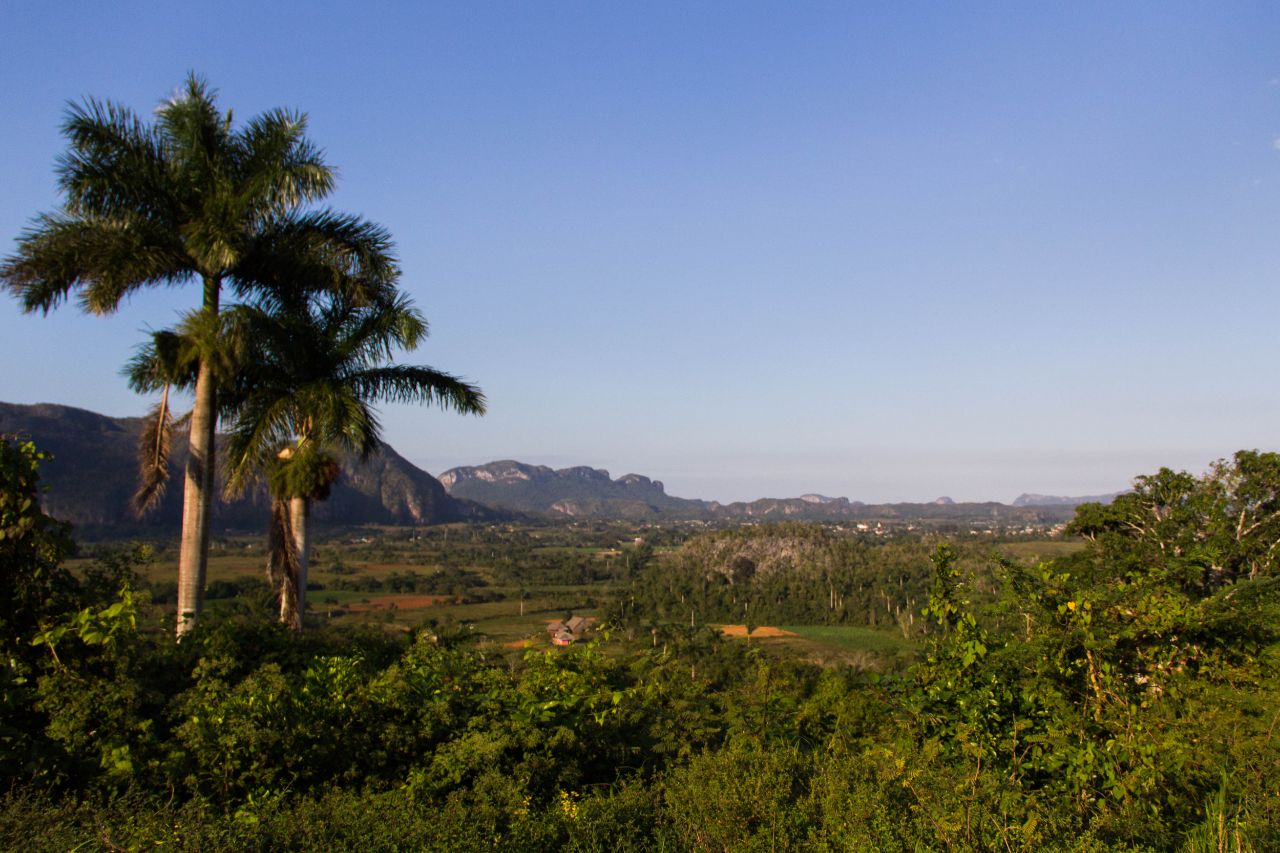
(193, 556)
(193, 553)
(293, 595)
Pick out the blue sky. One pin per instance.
(888, 251)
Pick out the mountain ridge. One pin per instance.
(92, 475)
(585, 492)
(577, 491)
(1030, 499)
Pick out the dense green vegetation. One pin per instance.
(792, 573)
(1123, 696)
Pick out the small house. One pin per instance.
(566, 633)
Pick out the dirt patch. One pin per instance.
(521, 644)
(760, 631)
(401, 602)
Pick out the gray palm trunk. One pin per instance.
(193, 553)
(293, 592)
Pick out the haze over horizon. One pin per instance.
(882, 253)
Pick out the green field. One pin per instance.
(1040, 550)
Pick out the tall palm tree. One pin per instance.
(318, 368)
(191, 198)
(313, 368)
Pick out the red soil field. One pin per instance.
(759, 631)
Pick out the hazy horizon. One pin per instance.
(696, 478)
(888, 253)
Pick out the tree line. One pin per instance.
(784, 574)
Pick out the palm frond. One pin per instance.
(370, 335)
(408, 384)
(348, 254)
(106, 259)
(282, 266)
(143, 370)
(170, 359)
(291, 260)
(115, 164)
(279, 168)
(153, 457)
(194, 133)
(261, 427)
(349, 422)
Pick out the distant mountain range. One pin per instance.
(94, 469)
(591, 493)
(1058, 500)
(93, 474)
(574, 492)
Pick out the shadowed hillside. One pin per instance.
(92, 476)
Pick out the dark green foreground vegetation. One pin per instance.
(1122, 697)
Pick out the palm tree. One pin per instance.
(318, 368)
(311, 371)
(192, 199)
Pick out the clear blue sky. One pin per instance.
(889, 251)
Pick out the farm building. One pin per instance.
(568, 632)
